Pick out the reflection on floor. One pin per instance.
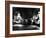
(22, 27)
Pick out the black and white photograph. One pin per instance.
(25, 18)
